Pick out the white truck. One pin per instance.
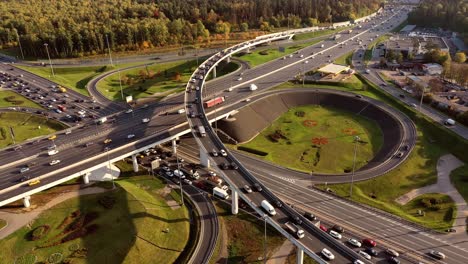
(296, 231)
(220, 193)
(268, 207)
(253, 87)
(102, 120)
(449, 122)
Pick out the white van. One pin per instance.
(268, 207)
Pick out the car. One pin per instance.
(52, 137)
(358, 96)
(223, 153)
(335, 234)
(212, 173)
(277, 203)
(52, 152)
(392, 252)
(354, 242)
(364, 254)
(165, 168)
(437, 254)
(239, 79)
(413, 105)
(399, 154)
(169, 173)
(305, 62)
(24, 169)
(323, 228)
(53, 162)
(338, 228)
(145, 120)
(34, 182)
(107, 148)
(310, 216)
(107, 141)
(129, 136)
(144, 106)
(405, 147)
(401, 95)
(247, 100)
(234, 166)
(247, 189)
(214, 153)
(187, 181)
(224, 166)
(128, 111)
(258, 187)
(17, 147)
(24, 178)
(358, 261)
(89, 144)
(371, 251)
(393, 260)
(327, 254)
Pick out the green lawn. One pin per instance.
(459, 178)
(316, 34)
(139, 228)
(261, 56)
(12, 99)
(25, 126)
(370, 47)
(301, 141)
(345, 59)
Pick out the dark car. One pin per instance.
(277, 203)
(338, 228)
(257, 187)
(393, 260)
(224, 166)
(234, 166)
(402, 96)
(310, 216)
(371, 251)
(297, 220)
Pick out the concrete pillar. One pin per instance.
(299, 256)
(135, 163)
(235, 203)
(228, 59)
(204, 159)
(174, 146)
(26, 201)
(214, 72)
(86, 178)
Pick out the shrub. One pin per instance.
(299, 113)
(263, 52)
(39, 232)
(3, 133)
(55, 258)
(253, 151)
(107, 202)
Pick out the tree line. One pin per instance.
(446, 14)
(73, 28)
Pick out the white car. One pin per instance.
(358, 261)
(145, 120)
(437, 254)
(239, 79)
(335, 234)
(247, 100)
(130, 136)
(247, 189)
(54, 162)
(305, 62)
(187, 181)
(129, 111)
(392, 252)
(52, 152)
(354, 242)
(212, 173)
(327, 254)
(223, 153)
(364, 255)
(214, 153)
(24, 169)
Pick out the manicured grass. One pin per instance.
(336, 127)
(459, 178)
(12, 99)
(345, 59)
(25, 126)
(256, 57)
(139, 228)
(316, 34)
(370, 47)
(245, 236)
(3, 223)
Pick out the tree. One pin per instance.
(244, 27)
(460, 57)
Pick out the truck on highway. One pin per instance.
(220, 193)
(253, 87)
(61, 108)
(214, 101)
(102, 120)
(268, 207)
(201, 130)
(296, 231)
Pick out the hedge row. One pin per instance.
(253, 151)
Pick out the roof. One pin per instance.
(433, 66)
(333, 68)
(408, 28)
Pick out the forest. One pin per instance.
(446, 14)
(75, 28)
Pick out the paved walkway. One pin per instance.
(281, 254)
(18, 220)
(445, 165)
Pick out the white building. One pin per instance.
(433, 68)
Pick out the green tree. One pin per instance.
(460, 57)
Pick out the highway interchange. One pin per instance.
(72, 147)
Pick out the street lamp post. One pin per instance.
(422, 96)
(19, 43)
(180, 178)
(50, 61)
(120, 84)
(108, 48)
(356, 140)
(264, 239)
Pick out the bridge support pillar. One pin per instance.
(204, 159)
(235, 203)
(174, 146)
(86, 178)
(214, 72)
(228, 59)
(299, 256)
(27, 201)
(135, 163)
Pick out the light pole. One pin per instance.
(108, 48)
(120, 83)
(356, 141)
(19, 43)
(423, 89)
(264, 239)
(180, 178)
(50, 61)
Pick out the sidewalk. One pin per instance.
(281, 254)
(445, 165)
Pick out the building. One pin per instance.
(333, 69)
(414, 80)
(408, 28)
(413, 45)
(432, 68)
